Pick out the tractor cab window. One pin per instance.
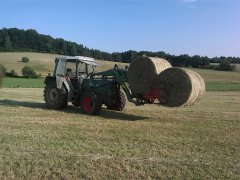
(81, 69)
(90, 69)
(85, 69)
(71, 69)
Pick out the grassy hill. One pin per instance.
(42, 63)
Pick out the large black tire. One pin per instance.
(118, 103)
(54, 97)
(90, 104)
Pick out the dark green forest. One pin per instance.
(18, 40)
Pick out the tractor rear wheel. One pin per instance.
(54, 97)
(119, 102)
(90, 104)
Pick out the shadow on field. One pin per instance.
(13, 103)
(115, 115)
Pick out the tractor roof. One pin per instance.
(83, 59)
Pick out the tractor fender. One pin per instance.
(48, 79)
(59, 81)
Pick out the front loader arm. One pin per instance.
(120, 76)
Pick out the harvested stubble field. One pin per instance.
(200, 142)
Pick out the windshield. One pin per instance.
(85, 68)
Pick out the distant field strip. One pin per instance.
(222, 86)
(22, 83)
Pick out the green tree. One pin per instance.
(7, 45)
(225, 66)
(73, 50)
(63, 46)
(29, 72)
(25, 59)
(196, 61)
(12, 73)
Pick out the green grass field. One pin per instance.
(22, 83)
(198, 142)
(218, 86)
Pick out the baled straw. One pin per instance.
(143, 70)
(179, 87)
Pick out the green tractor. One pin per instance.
(75, 80)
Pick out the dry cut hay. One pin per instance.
(179, 87)
(143, 70)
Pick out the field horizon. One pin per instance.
(44, 64)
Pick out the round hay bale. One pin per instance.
(179, 87)
(143, 70)
(201, 85)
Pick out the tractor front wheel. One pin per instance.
(119, 102)
(90, 104)
(55, 98)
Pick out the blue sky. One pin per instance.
(204, 27)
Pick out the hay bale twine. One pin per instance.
(179, 87)
(143, 70)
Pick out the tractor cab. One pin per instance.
(76, 65)
(71, 71)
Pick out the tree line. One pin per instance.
(18, 40)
